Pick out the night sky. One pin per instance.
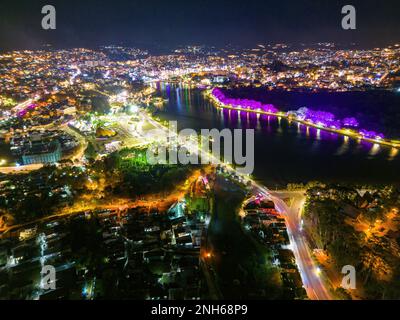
(90, 23)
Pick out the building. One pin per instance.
(42, 153)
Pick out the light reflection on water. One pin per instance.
(376, 148)
(288, 151)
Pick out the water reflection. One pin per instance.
(376, 148)
(288, 152)
(344, 147)
(393, 154)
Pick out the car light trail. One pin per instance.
(317, 119)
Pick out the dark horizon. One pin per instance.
(173, 23)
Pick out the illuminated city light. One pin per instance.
(109, 167)
(350, 122)
(371, 134)
(242, 103)
(375, 149)
(133, 108)
(316, 118)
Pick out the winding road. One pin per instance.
(313, 284)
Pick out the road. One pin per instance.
(395, 144)
(22, 105)
(79, 152)
(313, 284)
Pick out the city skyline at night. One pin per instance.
(209, 154)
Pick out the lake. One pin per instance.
(287, 152)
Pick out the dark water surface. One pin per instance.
(377, 110)
(287, 152)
